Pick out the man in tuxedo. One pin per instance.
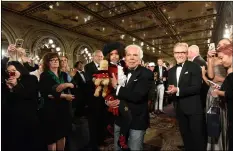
(81, 91)
(96, 105)
(185, 81)
(135, 93)
(194, 56)
(161, 73)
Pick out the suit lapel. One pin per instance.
(94, 67)
(134, 76)
(184, 68)
(174, 77)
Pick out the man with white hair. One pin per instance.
(135, 94)
(95, 104)
(184, 82)
(194, 55)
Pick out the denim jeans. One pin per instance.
(135, 140)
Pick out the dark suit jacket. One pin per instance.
(135, 93)
(190, 80)
(165, 73)
(204, 87)
(90, 69)
(200, 61)
(82, 92)
(93, 102)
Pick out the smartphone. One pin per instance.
(214, 84)
(212, 47)
(10, 74)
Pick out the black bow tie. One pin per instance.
(82, 72)
(130, 71)
(179, 65)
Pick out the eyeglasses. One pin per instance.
(54, 60)
(180, 53)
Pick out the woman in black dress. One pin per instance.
(56, 112)
(21, 126)
(225, 54)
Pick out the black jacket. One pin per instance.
(189, 101)
(135, 93)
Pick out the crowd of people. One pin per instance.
(42, 102)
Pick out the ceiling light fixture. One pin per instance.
(142, 43)
(53, 45)
(50, 41)
(58, 49)
(51, 6)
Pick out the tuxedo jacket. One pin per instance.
(82, 90)
(204, 87)
(200, 61)
(94, 103)
(164, 74)
(135, 94)
(189, 85)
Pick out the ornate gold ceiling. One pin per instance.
(154, 25)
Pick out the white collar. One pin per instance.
(96, 64)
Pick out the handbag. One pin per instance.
(213, 122)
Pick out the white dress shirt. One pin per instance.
(118, 87)
(160, 71)
(178, 71)
(97, 65)
(81, 74)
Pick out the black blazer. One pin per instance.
(190, 81)
(135, 93)
(81, 91)
(204, 87)
(165, 73)
(93, 102)
(90, 69)
(200, 61)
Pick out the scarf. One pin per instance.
(59, 79)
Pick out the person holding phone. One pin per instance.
(217, 73)
(225, 54)
(12, 50)
(21, 128)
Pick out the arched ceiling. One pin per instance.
(156, 25)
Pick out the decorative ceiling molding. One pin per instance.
(183, 33)
(79, 6)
